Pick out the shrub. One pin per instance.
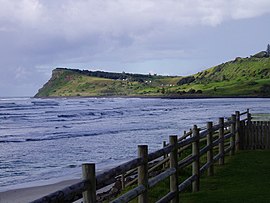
(186, 80)
(251, 83)
(191, 91)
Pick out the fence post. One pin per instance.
(260, 134)
(174, 164)
(210, 170)
(266, 135)
(252, 134)
(221, 137)
(256, 134)
(237, 135)
(143, 172)
(196, 162)
(164, 145)
(243, 135)
(89, 174)
(248, 118)
(232, 139)
(123, 181)
(165, 156)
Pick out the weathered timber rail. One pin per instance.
(212, 143)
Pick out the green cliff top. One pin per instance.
(243, 77)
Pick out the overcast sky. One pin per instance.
(169, 37)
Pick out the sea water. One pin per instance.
(49, 139)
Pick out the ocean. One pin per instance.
(47, 140)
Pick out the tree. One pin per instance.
(268, 50)
(163, 90)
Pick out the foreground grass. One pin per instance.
(245, 178)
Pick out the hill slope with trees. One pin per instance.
(243, 77)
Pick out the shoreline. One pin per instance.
(31, 193)
(156, 97)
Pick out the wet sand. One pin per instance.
(28, 194)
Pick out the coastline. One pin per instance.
(157, 97)
(24, 193)
(31, 193)
(27, 194)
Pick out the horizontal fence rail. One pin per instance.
(198, 149)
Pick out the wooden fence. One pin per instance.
(200, 148)
(255, 134)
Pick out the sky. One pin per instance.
(166, 37)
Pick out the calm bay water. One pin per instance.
(44, 139)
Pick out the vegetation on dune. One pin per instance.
(241, 77)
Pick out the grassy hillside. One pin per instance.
(241, 77)
(65, 82)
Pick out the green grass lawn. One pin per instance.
(244, 178)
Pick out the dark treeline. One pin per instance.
(115, 76)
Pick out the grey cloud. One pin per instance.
(37, 35)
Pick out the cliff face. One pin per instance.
(73, 82)
(241, 77)
(59, 78)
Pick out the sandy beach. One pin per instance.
(24, 195)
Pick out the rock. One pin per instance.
(261, 54)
